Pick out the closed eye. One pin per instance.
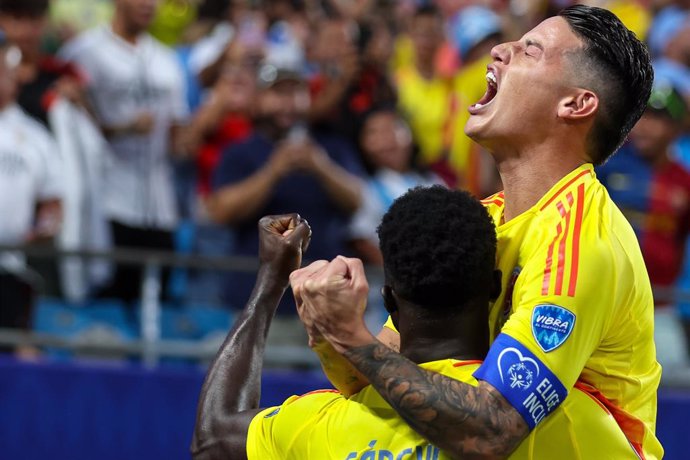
(533, 48)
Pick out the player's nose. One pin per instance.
(501, 53)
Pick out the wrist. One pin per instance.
(272, 172)
(359, 337)
(272, 278)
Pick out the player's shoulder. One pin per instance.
(33, 130)
(90, 40)
(580, 226)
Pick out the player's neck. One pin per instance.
(424, 339)
(124, 31)
(427, 349)
(527, 178)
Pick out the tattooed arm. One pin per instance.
(463, 420)
(230, 395)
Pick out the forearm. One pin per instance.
(463, 420)
(233, 382)
(203, 124)
(236, 203)
(116, 130)
(209, 74)
(343, 188)
(339, 371)
(328, 99)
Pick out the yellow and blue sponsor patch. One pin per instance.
(551, 325)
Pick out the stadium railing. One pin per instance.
(147, 342)
(145, 339)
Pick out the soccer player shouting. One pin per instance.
(438, 284)
(576, 308)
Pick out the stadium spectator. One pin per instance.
(230, 420)
(476, 30)
(385, 142)
(352, 74)
(30, 199)
(135, 85)
(282, 167)
(651, 188)
(223, 120)
(419, 85)
(277, 31)
(242, 26)
(674, 62)
(41, 77)
(653, 191)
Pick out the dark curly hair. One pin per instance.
(25, 8)
(617, 67)
(438, 246)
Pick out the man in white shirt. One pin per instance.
(30, 191)
(136, 87)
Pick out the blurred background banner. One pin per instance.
(80, 412)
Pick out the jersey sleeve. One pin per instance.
(274, 432)
(562, 304)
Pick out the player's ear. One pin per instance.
(496, 285)
(389, 301)
(579, 105)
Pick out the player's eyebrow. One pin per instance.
(532, 42)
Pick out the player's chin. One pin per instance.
(476, 127)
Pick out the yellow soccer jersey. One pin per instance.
(576, 306)
(324, 425)
(427, 125)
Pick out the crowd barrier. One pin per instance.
(107, 412)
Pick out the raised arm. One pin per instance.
(463, 420)
(230, 395)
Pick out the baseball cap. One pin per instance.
(269, 74)
(666, 99)
(471, 26)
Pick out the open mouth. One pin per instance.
(490, 94)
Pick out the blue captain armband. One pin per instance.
(526, 383)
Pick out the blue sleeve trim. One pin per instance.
(528, 385)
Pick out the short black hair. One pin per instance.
(616, 66)
(25, 8)
(439, 247)
(428, 10)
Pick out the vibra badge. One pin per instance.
(551, 325)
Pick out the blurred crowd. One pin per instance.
(175, 124)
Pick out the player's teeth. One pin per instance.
(478, 105)
(490, 77)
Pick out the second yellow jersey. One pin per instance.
(576, 306)
(324, 425)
